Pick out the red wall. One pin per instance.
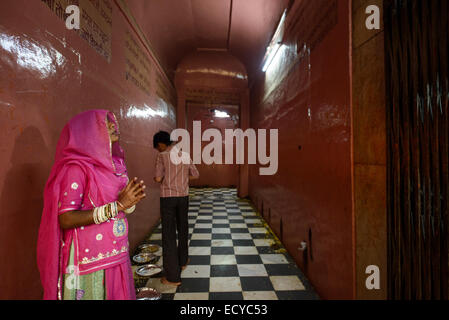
(311, 109)
(48, 74)
(213, 79)
(213, 175)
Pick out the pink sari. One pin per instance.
(85, 142)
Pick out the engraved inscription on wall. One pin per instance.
(138, 66)
(95, 21)
(163, 91)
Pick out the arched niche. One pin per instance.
(213, 77)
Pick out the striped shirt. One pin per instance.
(175, 182)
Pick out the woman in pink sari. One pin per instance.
(83, 249)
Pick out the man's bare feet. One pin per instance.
(183, 267)
(165, 281)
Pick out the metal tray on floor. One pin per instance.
(149, 247)
(146, 293)
(148, 270)
(145, 257)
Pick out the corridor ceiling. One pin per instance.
(175, 28)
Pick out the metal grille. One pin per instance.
(416, 47)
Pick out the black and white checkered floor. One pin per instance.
(233, 254)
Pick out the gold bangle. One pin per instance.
(130, 210)
(95, 216)
(114, 205)
(121, 205)
(108, 211)
(101, 214)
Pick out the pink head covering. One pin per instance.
(84, 141)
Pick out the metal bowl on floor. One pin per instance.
(146, 293)
(148, 270)
(145, 257)
(148, 247)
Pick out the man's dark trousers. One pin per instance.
(174, 216)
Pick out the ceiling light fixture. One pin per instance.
(275, 43)
(221, 114)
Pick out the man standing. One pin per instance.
(174, 179)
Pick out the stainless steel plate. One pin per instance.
(148, 247)
(145, 257)
(148, 270)
(146, 293)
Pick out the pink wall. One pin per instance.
(48, 74)
(306, 95)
